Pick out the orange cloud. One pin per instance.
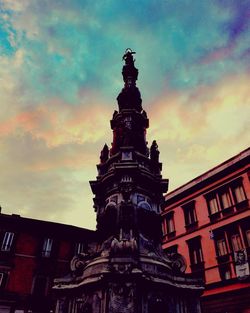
(58, 123)
(197, 130)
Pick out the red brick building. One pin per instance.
(207, 220)
(32, 254)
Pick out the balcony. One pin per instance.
(223, 258)
(228, 211)
(198, 270)
(192, 226)
(243, 205)
(215, 216)
(170, 235)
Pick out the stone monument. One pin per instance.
(126, 270)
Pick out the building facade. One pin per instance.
(207, 220)
(32, 254)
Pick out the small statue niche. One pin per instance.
(154, 152)
(104, 154)
(114, 114)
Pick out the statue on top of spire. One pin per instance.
(129, 97)
(129, 71)
(128, 57)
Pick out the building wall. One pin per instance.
(28, 269)
(209, 239)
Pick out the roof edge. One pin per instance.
(208, 174)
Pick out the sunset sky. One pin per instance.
(60, 74)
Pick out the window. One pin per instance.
(236, 242)
(195, 251)
(225, 199)
(40, 285)
(170, 224)
(221, 247)
(190, 214)
(213, 206)
(196, 257)
(239, 193)
(7, 241)
(1, 279)
(47, 247)
(171, 250)
(248, 237)
(79, 247)
(225, 272)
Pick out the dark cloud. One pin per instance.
(239, 21)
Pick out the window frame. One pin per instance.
(2, 279)
(214, 201)
(196, 257)
(247, 233)
(168, 225)
(190, 215)
(195, 251)
(79, 247)
(47, 247)
(242, 193)
(171, 250)
(236, 242)
(225, 194)
(223, 270)
(36, 285)
(7, 241)
(224, 247)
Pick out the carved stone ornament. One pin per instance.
(126, 187)
(178, 263)
(123, 246)
(83, 305)
(122, 268)
(148, 247)
(76, 264)
(105, 248)
(121, 298)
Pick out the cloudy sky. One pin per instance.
(60, 73)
